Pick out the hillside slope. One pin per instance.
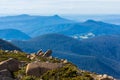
(39, 25)
(21, 67)
(30, 24)
(99, 52)
(13, 34)
(4, 45)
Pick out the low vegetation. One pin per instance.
(67, 72)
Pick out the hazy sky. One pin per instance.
(49, 7)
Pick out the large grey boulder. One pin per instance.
(0, 77)
(39, 68)
(11, 64)
(7, 78)
(5, 73)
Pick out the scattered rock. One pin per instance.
(62, 60)
(32, 56)
(50, 57)
(28, 56)
(6, 51)
(15, 51)
(40, 53)
(65, 61)
(10, 64)
(105, 77)
(47, 53)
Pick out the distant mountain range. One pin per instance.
(13, 34)
(113, 19)
(30, 24)
(100, 54)
(38, 25)
(4, 45)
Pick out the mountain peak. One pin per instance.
(23, 15)
(93, 21)
(90, 21)
(56, 15)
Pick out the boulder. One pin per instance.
(33, 69)
(50, 57)
(47, 53)
(7, 78)
(39, 68)
(11, 64)
(5, 73)
(32, 56)
(0, 77)
(15, 51)
(65, 61)
(105, 77)
(40, 53)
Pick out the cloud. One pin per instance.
(60, 6)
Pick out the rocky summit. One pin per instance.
(16, 65)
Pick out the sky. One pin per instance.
(50, 7)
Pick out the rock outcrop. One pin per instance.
(6, 78)
(7, 68)
(47, 53)
(42, 67)
(5, 73)
(38, 68)
(11, 64)
(104, 77)
(40, 53)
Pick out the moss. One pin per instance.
(30, 78)
(67, 72)
(82, 78)
(6, 55)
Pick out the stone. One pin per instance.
(28, 56)
(5, 73)
(47, 53)
(11, 64)
(62, 60)
(15, 51)
(6, 51)
(33, 69)
(65, 61)
(7, 78)
(39, 68)
(110, 77)
(106, 79)
(50, 57)
(40, 53)
(32, 56)
(99, 76)
(0, 77)
(105, 76)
